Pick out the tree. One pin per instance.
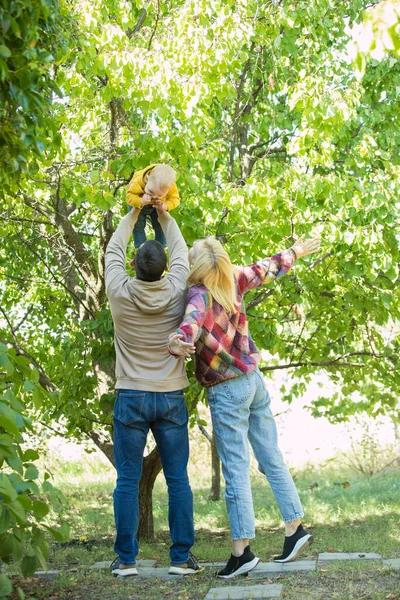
(273, 136)
(33, 35)
(24, 502)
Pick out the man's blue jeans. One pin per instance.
(241, 413)
(166, 415)
(139, 233)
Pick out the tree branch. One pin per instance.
(60, 282)
(106, 231)
(155, 26)
(237, 112)
(260, 298)
(320, 260)
(205, 432)
(44, 380)
(143, 14)
(22, 220)
(67, 269)
(26, 315)
(72, 238)
(331, 363)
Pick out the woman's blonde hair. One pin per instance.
(212, 267)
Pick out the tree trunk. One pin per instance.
(215, 492)
(151, 468)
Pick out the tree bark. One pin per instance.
(215, 492)
(151, 468)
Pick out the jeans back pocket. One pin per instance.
(237, 390)
(177, 411)
(129, 406)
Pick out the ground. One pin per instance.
(345, 514)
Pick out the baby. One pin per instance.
(155, 182)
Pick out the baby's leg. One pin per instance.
(139, 233)
(160, 237)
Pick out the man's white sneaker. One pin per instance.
(118, 569)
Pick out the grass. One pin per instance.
(363, 516)
(336, 582)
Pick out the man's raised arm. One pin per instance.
(178, 251)
(116, 251)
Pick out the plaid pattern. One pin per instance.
(224, 347)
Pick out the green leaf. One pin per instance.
(30, 486)
(8, 419)
(21, 595)
(5, 519)
(15, 463)
(28, 566)
(6, 488)
(30, 455)
(37, 398)
(31, 472)
(40, 509)
(61, 534)
(5, 585)
(18, 511)
(6, 364)
(4, 51)
(6, 545)
(25, 501)
(28, 385)
(94, 176)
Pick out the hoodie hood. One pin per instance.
(150, 297)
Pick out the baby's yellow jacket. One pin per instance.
(136, 190)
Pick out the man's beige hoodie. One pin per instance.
(146, 313)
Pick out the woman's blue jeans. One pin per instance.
(166, 415)
(240, 412)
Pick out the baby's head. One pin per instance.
(160, 180)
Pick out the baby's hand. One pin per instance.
(146, 199)
(160, 205)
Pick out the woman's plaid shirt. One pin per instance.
(224, 347)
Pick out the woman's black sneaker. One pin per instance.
(239, 565)
(294, 544)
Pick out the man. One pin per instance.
(150, 382)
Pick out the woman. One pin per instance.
(215, 328)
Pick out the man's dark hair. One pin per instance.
(150, 261)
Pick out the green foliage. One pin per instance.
(378, 35)
(32, 42)
(24, 502)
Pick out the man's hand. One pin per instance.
(177, 346)
(146, 199)
(303, 248)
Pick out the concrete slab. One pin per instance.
(159, 573)
(46, 574)
(299, 565)
(393, 563)
(265, 568)
(271, 568)
(245, 593)
(105, 564)
(213, 565)
(332, 556)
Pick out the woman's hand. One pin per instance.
(303, 248)
(177, 346)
